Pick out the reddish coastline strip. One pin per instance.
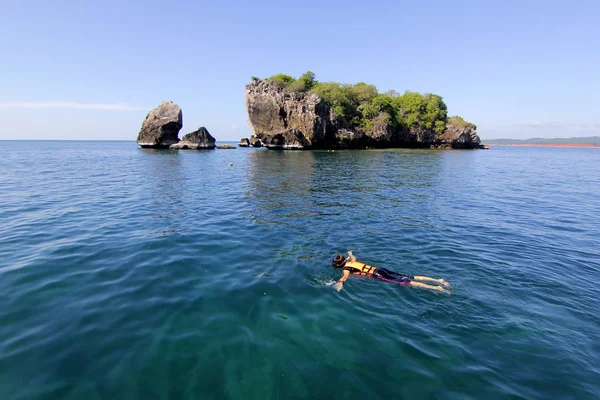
(570, 145)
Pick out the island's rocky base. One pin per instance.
(253, 141)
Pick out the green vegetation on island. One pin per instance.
(460, 122)
(361, 106)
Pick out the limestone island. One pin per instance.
(289, 113)
(161, 127)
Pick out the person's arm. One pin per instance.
(340, 284)
(350, 256)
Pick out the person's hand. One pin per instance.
(350, 256)
(338, 286)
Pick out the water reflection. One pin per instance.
(277, 173)
(164, 174)
(279, 184)
(348, 189)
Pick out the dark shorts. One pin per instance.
(391, 276)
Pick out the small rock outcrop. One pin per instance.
(459, 134)
(255, 142)
(244, 142)
(161, 126)
(197, 140)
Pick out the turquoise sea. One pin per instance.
(128, 273)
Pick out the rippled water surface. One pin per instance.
(140, 274)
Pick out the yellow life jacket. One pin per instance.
(357, 267)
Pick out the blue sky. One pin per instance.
(92, 70)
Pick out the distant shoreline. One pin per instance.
(566, 145)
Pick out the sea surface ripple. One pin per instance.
(128, 273)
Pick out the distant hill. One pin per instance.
(594, 140)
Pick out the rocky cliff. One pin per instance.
(459, 134)
(286, 119)
(161, 126)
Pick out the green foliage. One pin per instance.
(339, 97)
(383, 103)
(439, 127)
(359, 106)
(282, 80)
(366, 124)
(459, 121)
(296, 86)
(254, 78)
(306, 82)
(362, 93)
(425, 111)
(339, 111)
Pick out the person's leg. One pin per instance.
(426, 278)
(394, 277)
(391, 276)
(431, 287)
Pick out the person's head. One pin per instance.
(338, 261)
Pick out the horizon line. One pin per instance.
(235, 140)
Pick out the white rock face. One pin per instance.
(287, 120)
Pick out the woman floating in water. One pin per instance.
(351, 266)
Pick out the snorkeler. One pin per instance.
(351, 266)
